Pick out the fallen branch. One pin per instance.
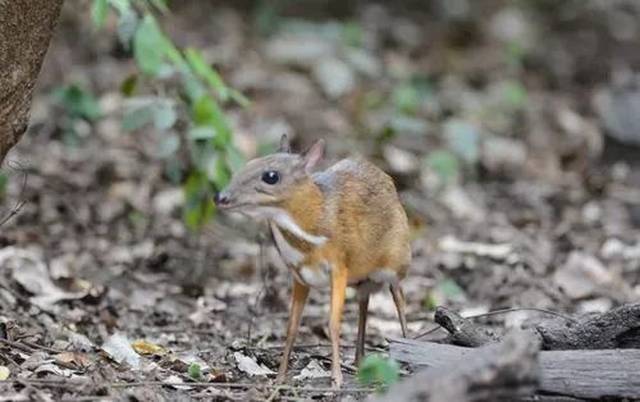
(615, 329)
(572, 373)
(506, 370)
(597, 356)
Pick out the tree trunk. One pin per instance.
(26, 28)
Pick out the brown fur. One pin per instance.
(355, 207)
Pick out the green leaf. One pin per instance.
(128, 86)
(122, 6)
(195, 371)
(149, 46)
(99, 9)
(204, 70)
(202, 133)
(379, 371)
(136, 118)
(142, 111)
(352, 34)
(4, 181)
(169, 146)
(407, 99)
(515, 95)
(199, 206)
(451, 289)
(445, 164)
(78, 102)
(161, 5)
(164, 115)
(235, 159)
(207, 112)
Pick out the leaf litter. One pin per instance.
(500, 205)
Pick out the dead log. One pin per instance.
(569, 373)
(499, 371)
(26, 27)
(615, 329)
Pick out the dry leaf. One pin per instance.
(250, 366)
(30, 271)
(73, 359)
(145, 347)
(120, 350)
(313, 370)
(4, 373)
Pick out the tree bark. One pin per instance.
(26, 28)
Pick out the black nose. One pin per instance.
(221, 198)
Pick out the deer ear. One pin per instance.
(313, 155)
(285, 146)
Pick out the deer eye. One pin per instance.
(270, 177)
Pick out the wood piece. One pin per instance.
(498, 371)
(570, 373)
(615, 329)
(26, 27)
(462, 331)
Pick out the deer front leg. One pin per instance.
(338, 289)
(298, 299)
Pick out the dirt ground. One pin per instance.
(543, 213)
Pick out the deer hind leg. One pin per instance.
(363, 310)
(398, 300)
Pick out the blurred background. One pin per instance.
(511, 129)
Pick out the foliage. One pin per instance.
(200, 96)
(4, 180)
(79, 105)
(378, 371)
(195, 371)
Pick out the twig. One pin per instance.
(18, 345)
(275, 393)
(511, 310)
(502, 311)
(41, 347)
(18, 206)
(10, 361)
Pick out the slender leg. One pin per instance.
(298, 300)
(398, 299)
(338, 289)
(363, 306)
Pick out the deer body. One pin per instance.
(338, 227)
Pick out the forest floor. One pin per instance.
(542, 212)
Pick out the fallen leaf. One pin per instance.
(50, 368)
(173, 380)
(30, 271)
(312, 370)
(250, 366)
(77, 360)
(145, 347)
(4, 373)
(119, 349)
